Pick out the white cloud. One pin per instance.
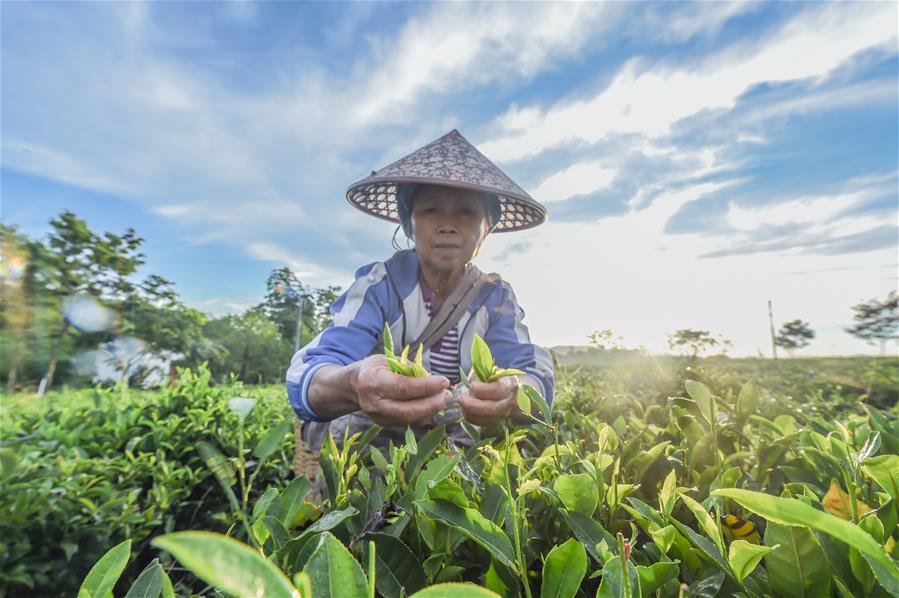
(577, 179)
(649, 102)
(311, 274)
(802, 210)
(458, 45)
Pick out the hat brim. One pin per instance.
(377, 196)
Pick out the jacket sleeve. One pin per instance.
(510, 342)
(358, 318)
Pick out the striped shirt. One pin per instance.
(445, 352)
(389, 292)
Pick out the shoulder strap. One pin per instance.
(452, 309)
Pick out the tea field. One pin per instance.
(646, 477)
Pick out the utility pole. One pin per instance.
(282, 288)
(771, 324)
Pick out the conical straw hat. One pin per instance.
(454, 162)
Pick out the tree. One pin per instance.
(153, 313)
(282, 307)
(77, 261)
(696, 340)
(15, 311)
(876, 320)
(253, 347)
(605, 339)
(794, 335)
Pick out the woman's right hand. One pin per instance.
(390, 399)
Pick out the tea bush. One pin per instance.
(83, 470)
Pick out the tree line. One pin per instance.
(78, 291)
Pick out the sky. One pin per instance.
(696, 159)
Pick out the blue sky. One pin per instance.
(696, 159)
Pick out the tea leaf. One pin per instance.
(481, 358)
(655, 576)
(388, 342)
(578, 492)
(272, 440)
(455, 590)
(149, 582)
(744, 557)
(218, 464)
(226, 564)
(748, 400)
(334, 572)
(700, 393)
(563, 570)
(705, 521)
(799, 567)
(789, 511)
(397, 570)
(619, 580)
(885, 471)
(474, 526)
(103, 576)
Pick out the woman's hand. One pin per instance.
(390, 399)
(489, 403)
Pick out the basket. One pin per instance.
(305, 462)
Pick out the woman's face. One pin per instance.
(448, 225)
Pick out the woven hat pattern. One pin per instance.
(452, 161)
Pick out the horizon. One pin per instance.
(696, 160)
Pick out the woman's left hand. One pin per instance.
(489, 403)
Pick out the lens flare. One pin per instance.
(87, 314)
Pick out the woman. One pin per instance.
(447, 197)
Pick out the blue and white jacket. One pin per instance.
(389, 292)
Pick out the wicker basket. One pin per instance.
(305, 462)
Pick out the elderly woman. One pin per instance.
(447, 197)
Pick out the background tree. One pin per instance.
(76, 261)
(876, 321)
(697, 341)
(15, 312)
(794, 335)
(282, 307)
(253, 347)
(605, 339)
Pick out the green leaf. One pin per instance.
(218, 464)
(700, 393)
(537, 398)
(106, 572)
(388, 342)
(455, 590)
(799, 567)
(398, 571)
(744, 557)
(619, 580)
(588, 531)
(885, 471)
(272, 440)
(748, 400)
(522, 401)
(705, 521)
(226, 564)
(474, 526)
(498, 373)
(334, 572)
(578, 492)
(664, 537)
(563, 570)
(667, 497)
(437, 469)
(789, 511)
(286, 507)
(148, 583)
(655, 576)
(481, 358)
